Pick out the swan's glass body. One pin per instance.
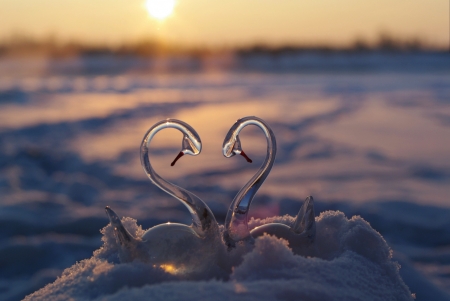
(300, 234)
(236, 222)
(199, 247)
(173, 244)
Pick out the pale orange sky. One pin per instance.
(230, 22)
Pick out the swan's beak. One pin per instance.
(189, 147)
(245, 156)
(180, 154)
(233, 147)
(237, 149)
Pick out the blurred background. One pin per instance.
(357, 93)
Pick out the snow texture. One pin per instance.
(349, 261)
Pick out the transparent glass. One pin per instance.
(302, 232)
(303, 229)
(173, 244)
(236, 221)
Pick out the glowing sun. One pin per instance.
(160, 9)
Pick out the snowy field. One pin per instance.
(367, 135)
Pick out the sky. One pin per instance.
(230, 22)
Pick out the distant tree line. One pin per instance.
(25, 45)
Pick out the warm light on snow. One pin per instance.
(160, 9)
(169, 268)
(346, 251)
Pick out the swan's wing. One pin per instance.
(305, 222)
(122, 234)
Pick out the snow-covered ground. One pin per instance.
(372, 141)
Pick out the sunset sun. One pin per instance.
(160, 9)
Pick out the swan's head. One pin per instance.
(191, 143)
(232, 146)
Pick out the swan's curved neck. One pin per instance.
(203, 219)
(236, 222)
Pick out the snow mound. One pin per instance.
(348, 261)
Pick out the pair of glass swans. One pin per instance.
(180, 246)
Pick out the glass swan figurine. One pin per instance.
(302, 231)
(173, 244)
